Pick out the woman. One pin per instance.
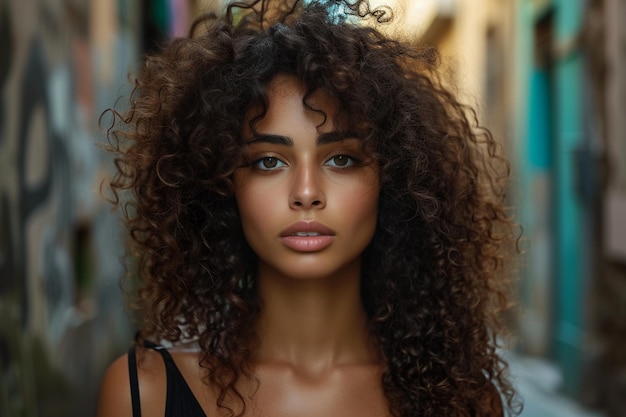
(318, 228)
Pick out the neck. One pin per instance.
(313, 323)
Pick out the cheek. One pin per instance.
(368, 198)
(359, 207)
(254, 203)
(364, 196)
(362, 205)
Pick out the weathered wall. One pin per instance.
(62, 318)
(605, 375)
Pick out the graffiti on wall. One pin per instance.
(59, 250)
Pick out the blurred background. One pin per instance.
(548, 78)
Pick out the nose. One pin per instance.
(307, 189)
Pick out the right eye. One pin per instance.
(268, 163)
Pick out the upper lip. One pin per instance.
(310, 226)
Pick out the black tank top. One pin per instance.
(180, 401)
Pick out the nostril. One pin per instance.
(306, 202)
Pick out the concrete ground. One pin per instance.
(537, 382)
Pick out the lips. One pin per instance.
(307, 236)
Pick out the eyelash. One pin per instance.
(259, 163)
(352, 161)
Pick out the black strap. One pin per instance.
(180, 401)
(134, 382)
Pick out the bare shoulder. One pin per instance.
(115, 395)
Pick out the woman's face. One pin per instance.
(308, 194)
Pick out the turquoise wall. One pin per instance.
(549, 128)
(571, 244)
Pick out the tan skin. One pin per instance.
(315, 356)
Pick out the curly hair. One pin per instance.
(434, 278)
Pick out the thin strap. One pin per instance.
(180, 400)
(134, 382)
(167, 358)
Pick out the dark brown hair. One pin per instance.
(434, 281)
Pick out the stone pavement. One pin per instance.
(537, 382)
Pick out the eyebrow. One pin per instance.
(323, 139)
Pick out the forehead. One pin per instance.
(288, 86)
(286, 101)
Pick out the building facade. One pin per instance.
(548, 77)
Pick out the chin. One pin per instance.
(315, 270)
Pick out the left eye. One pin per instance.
(340, 161)
(268, 163)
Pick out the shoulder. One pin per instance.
(115, 395)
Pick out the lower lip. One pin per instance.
(307, 243)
